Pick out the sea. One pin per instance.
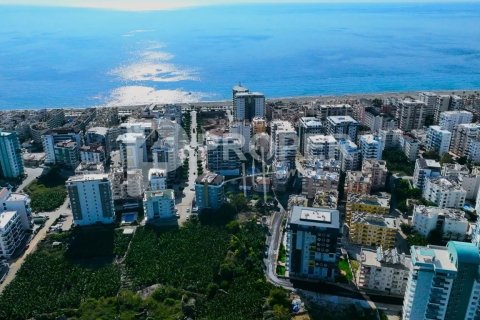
(74, 57)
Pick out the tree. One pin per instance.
(447, 158)
(239, 202)
(377, 103)
(416, 239)
(431, 155)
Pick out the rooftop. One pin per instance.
(167, 193)
(428, 163)
(452, 214)
(66, 144)
(130, 137)
(341, 119)
(88, 177)
(92, 148)
(317, 217)
(432, 257)
(5, 217)
(374, 220)
(320, 138)
(373, 200)
(98, 130)
(210, 178)
(385, 258)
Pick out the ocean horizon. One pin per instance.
(75, 57)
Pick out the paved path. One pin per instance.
(187, 199)
(32, 174)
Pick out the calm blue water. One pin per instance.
(76, 57)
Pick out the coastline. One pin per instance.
(331, 98)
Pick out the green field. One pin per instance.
(206, 272)
(48, 192)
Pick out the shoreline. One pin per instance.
(288, 99)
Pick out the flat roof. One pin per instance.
(210, 178)
(434, 257)
(5, 217)
(341, 119)
(318, 217)
(88, 177)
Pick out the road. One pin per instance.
(32, 174)
(274, 242)
(186, 201)
(52, 216)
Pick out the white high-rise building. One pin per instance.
(284, 141)
(342, 127)
(371, 147)
(133, 151)
(349, 155)
(438, 140)
(19, 202)
(12, 233)
(243, 131)
(449, 120)
(224, 153)
(445, 192)
(320, 147)
(430, 100)
(159, 205)
(384, 271)
(451, 222)
(464, 135)
(157, 179)
(308, 126)
(425, 168)
(91, 199)
(443, 283)
(248, 105)
(165, 156)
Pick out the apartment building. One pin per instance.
(451, 222)
(342, 127)
(308, 126)
(449, 120)
(11, 162)
(314, 181)
(371, 147)
(424, 169)
(312, 240)
(159, 205)
(372, 204)
(438, 140)
(445, 192)
(321, 147)
(357, 182)
(377, 170)
(383, 271)
(372, 230)
(349, 155)
(411, 114)
(209, 191)
(91, 199)
(443, 282)
(224, 153)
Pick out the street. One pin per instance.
(186, 201)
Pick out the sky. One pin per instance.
(173, 4)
